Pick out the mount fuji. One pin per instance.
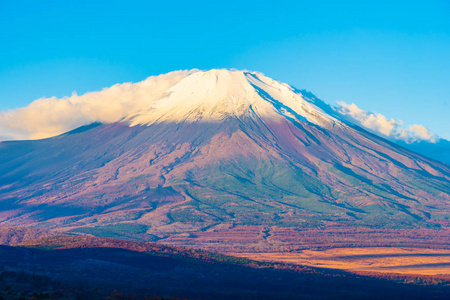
(221, 158)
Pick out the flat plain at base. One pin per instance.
(418, 261)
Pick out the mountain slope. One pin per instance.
(222, 150)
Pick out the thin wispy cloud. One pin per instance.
(381, 125)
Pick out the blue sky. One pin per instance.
(390, 57)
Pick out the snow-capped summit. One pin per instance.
(218, 94)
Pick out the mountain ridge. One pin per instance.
(210, 95)
(280, 162)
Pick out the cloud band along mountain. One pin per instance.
(225, 154)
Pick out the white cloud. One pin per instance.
(379, 124)
(48, 117)
(422, 133)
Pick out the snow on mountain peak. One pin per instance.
(219, 93)
(180, 96)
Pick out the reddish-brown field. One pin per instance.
(86, 267)
(227, 238)
(418, 261)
